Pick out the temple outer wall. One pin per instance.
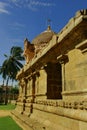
(69, 50)
(75, 76)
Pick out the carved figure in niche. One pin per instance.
(29, 50)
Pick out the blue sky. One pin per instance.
(28, 18)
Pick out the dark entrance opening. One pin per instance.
(54, 81)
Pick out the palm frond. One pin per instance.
(12, 64)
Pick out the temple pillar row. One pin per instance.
(63, 59)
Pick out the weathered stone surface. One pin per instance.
(28, 50)
(53, 83)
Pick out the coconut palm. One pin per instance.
(11, 65)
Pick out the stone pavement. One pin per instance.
(9, 113)
(27, 122)
(5, 113)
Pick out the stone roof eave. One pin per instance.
(57, 41)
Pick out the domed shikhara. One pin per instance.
(42, 39)
(31, 49)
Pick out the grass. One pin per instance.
(7, 123)
(7, 107)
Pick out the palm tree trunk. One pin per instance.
(6, 92)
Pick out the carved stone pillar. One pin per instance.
(25, 87)
(28, 87)
(63, 59)
(20, 91)
(41, 84)
(31, 82)
(37, 83)
(63, 76)
(22, 88)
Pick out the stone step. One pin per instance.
(26, 121)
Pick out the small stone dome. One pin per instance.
(44, 37)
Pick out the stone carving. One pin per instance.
(54, 83)
(28, 50)
(65, 104)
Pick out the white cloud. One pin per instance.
(16, 2)
(3, 8)
(16, 41)
(31, 4)
(39, 3)
(16, 26)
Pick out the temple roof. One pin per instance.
(44, 37)
(73, 35)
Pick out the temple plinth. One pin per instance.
(53, 82)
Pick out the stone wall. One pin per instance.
(75, 75)
(53, 85)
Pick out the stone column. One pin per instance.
(33, 87)
(20, 91)
(63, 75)
(63, 59)
(25, 87)
(21, 88)
(28, 87)
(37, 83)
(41, 84)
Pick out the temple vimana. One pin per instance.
(53, 81)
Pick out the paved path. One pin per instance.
(8, 113)
(5, 113)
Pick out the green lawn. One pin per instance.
(7, 107)
(7, 123)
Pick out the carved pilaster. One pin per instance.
(22, 88)
(33, 86)
(25, 87)
(63, 59)
(37, 83)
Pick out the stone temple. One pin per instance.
(53, 81)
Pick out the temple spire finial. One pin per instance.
(49, 24)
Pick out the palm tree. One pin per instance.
(11, 66)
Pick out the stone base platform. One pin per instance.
(64, 116)
(26, 122)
